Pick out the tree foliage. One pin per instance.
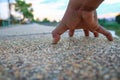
(118, 19)
(46, 20)
(102, 21)
(24, 8)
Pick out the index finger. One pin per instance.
(58, 31)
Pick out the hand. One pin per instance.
(80, 15)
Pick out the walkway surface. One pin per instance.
(16, 30)
(29, 29)
(33, 57)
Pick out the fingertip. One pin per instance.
(55, 40)
(86, 35)
(105, 33)
(56, 37)
(96, 34)
(109, 36)
(71, 33)
(86, 32)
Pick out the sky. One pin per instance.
(55, 9)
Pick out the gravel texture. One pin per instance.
(33, 57)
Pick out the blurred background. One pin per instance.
(50, 12)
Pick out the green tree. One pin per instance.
(117, 19)
(102, 21)
(45, 20)
(24, 8)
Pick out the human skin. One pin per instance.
(80, 14)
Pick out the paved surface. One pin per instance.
(32, 57)
(29, 29)
(16, 30)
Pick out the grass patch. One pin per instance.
(112, 26)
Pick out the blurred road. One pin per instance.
(27, 29)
